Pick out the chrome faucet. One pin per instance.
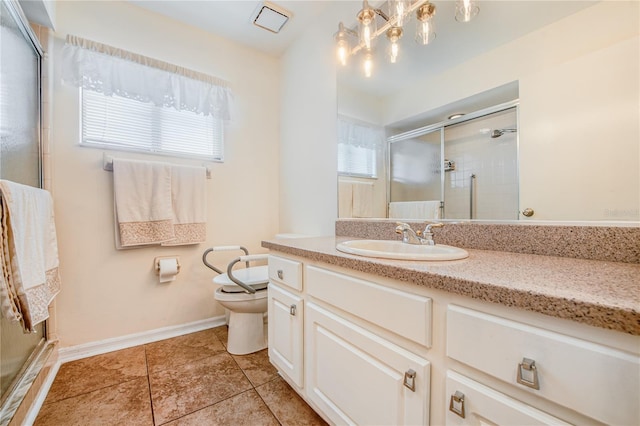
(410, 236)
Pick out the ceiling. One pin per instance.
(497, 23)
(234, 19)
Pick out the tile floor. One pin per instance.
(186, 380)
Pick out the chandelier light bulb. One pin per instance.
(368, 64)
(466, 10)
(343, 52)
(394, 34)
(367, 23)
(425, 31)
(398, 10)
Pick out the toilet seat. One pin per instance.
(240, 296)
(256, 277)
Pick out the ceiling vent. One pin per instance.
(271, 17)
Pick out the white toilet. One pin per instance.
(246, 310)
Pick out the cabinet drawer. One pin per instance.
(406, 314)
(356, 377)
(285, 271)
(482, 405)
(592, 379)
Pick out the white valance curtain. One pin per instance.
(359, 134)
(112, 71)
(359, 147)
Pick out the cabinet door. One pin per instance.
(472, 403)
(356, 377)
(286, 313)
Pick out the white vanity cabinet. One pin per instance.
(472, 403)
(598, 381)
(286, 318)
(353, 374)
(370, 350)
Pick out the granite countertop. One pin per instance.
(599, 293)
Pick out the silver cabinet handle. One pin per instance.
(280, 273)
(410, 379)
(292, 310)
(456, 404)
(528, 373)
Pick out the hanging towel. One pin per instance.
(362, 199)
(29, 254)
(142, 194)
(425, 210)
(345, 199)
(189, 205)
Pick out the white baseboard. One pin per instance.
(86, 350)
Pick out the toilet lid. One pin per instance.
(256, 277)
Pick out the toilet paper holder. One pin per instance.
(156, 262)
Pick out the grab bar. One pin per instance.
(107, 165)
(247, 258)
(471, 194)
(221, 248)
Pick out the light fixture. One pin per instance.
(398, 10)
(367, 24)
(342, 42)
(392, 26)
(456, 115)
(368, 63)
(466, 10)
(425, 31)
(394, 34)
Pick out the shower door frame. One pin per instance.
(420, 131)
(11, 400)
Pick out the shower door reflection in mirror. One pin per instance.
(467, 170)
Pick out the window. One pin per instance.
(121, 123)
(134, 102)
(359, 147)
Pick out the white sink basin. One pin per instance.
(388, 249)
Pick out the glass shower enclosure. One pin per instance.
(20, 58)
(461, 169)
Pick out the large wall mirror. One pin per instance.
(551, 97)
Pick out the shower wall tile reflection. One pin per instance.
(493, 163)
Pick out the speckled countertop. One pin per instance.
(599, 293)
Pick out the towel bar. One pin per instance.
(107, 165)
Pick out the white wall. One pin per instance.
(579, 111)
(108, 293)
(308, 149)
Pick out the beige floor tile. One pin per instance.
(96, 372)
(126, 403)
(190, 387)
(287, 406)
(246, 409)
(223, 334)
(256, 367)
(180, 350)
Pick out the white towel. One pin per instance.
(142, 194)
(362, 199)
(29, 254)
(425, 210)
(189, 205)
(345, 199)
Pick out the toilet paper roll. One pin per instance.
(168, 269)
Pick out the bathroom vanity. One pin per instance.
(497, 338)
